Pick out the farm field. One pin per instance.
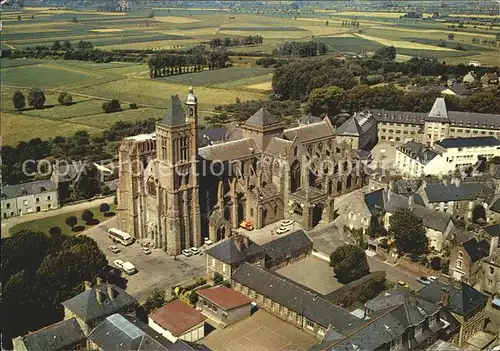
(93, 83)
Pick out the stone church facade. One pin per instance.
(172, 193)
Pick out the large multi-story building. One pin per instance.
(170, 191)
(427, 128)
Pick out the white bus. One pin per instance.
(120, 236)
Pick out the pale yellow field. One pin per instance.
(270, 34)
(261, 86)
(364, 14)
(177, 20)
(403, 44)
(107, 30)
(190, 32)
(480, 16)
(324, 30)
(422, 31)
(161, 44)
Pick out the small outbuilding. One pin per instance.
(177, 320)
(224, 304)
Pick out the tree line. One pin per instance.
(301, 48)
(332, 100)
(172, 64)
(350, 24)
(79, 147)
(294, 80)
(235, 41)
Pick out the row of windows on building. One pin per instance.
(25, 202)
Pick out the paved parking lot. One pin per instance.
(157, 270)
(313, 273)
(260, 332)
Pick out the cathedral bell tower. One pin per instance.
(178, 195)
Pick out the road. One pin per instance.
(157, 270)
(9, 223)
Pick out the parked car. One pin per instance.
(194, 250)
(282, 230)
(432, 278)
(403, 284)
(114, 249)
(146, 250)
(187, 252)
(129, 268)
(207, 241)
(424, 280)
(287, 222)
(118, 263)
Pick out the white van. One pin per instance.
(129, 268)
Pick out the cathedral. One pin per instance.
(173, 192)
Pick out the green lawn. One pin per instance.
(43, 225)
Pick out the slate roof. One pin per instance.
(288, 244)
(418, 152)
(468, 142)
(493, 230)
(309, 119)
(211, 136)
(461, 235)
(466, 191)
(31, 188)
(375, 202)
(224, 297)
(457, 88)
(59, 336)
(230, 150)
(86, 307)
(406, 117)
(294, 297)
(278, 147)
(463, 299)
(357, 125)
(432, 219)
(476, 249)
(124, 332)
(175, 115)
(262, 118)
(438, 110)
(226, 251)
(309, 132)
(177, 317)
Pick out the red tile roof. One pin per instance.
(177, 317)
(224, 297)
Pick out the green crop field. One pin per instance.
(217, 76)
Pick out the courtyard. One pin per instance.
(313, 273)
(157, 270)
(260, 332)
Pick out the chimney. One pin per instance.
(87, 285)
(238, 242)
(111, 292)
(98, 295)
(445, 297)
(493, 244)
(246, 240)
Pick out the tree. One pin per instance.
(387, 53)
(88, 186)
(75, 20)
(104, 208)
(55, 231)
(66, 45)
(327, 23)
(451, 36)
(111, 106)
(65, 98)
(19, 17)
(217, 278)
(19, 100)
(71, 221)
(435, 263)
(349, 263)
(408, 232)
(87, 216)
(36, 98)
(155, 300)
(56, 46)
